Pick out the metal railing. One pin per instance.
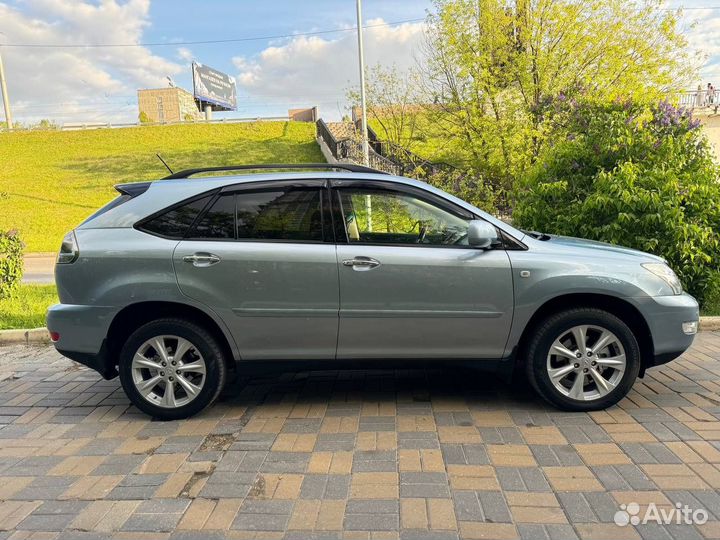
(696, 99)
(72, 126)
(323, 132)
(352, 150)
(385, 156)
(414, 164)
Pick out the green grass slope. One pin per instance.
(51, 180)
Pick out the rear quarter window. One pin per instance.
(176, 221)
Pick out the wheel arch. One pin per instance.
(619, 307)
(133, 316)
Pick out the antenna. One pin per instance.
(164, 163)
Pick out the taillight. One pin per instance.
(69, 251)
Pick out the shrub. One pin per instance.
(467, 185)
(11, 262)
(635, 175)
(712, 294)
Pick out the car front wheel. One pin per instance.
(172, 368)
(583, 359)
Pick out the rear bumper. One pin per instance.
(82, 331)
(665, 316)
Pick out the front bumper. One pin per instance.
(665, 316)
(82, 331)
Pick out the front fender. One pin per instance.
(538, 279)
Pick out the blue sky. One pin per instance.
(244, 18)
(81, 84)
(232, 19)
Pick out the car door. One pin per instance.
(410, 286)
(262, 256)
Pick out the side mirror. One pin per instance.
(481, 234)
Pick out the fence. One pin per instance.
(352, 150)
(384, 156)
(696, 99)
(324, 133)
(74, 126)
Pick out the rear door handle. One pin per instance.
(361, 263)
(202, 260)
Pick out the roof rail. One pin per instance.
(187, 173)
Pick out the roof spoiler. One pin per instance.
(134, 189)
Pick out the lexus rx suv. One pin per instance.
(177, 283)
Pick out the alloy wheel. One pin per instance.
(168, 371)
(586, 362)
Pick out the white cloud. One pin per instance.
(183, 53)
(703, 33)
(79, 84)
(314, 70)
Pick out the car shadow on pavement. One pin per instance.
(407, 387)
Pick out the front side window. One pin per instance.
(376, 216)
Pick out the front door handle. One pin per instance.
(361, 263)
(202, 260)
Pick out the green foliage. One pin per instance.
(55, 179)
(27, 307)
(393, 100)
(144, 118)
(491, 65)
(469, 186)
(711, 304)
(11, 262)
(630, 174)
(45, 124)
(428, 140)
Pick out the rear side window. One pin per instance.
(219, 221)
(280, 214)
(174, 223)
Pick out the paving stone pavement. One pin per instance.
(441, 453)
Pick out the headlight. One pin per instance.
(664, 272)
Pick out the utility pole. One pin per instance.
(365, 149)
(6, 99)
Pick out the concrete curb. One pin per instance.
(35, 336)
(24, 336)
(710, 323)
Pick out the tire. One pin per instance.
(201, 366)
(556, 338)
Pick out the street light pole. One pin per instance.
(6, 99)
(365, 149)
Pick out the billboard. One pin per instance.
(214, 87)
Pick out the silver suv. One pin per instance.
(178, 282)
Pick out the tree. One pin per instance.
(635, 175)
(393, 101)
(494, 66)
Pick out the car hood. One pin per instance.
(604, 247)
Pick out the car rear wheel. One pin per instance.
(583, 359)
(172, 368)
